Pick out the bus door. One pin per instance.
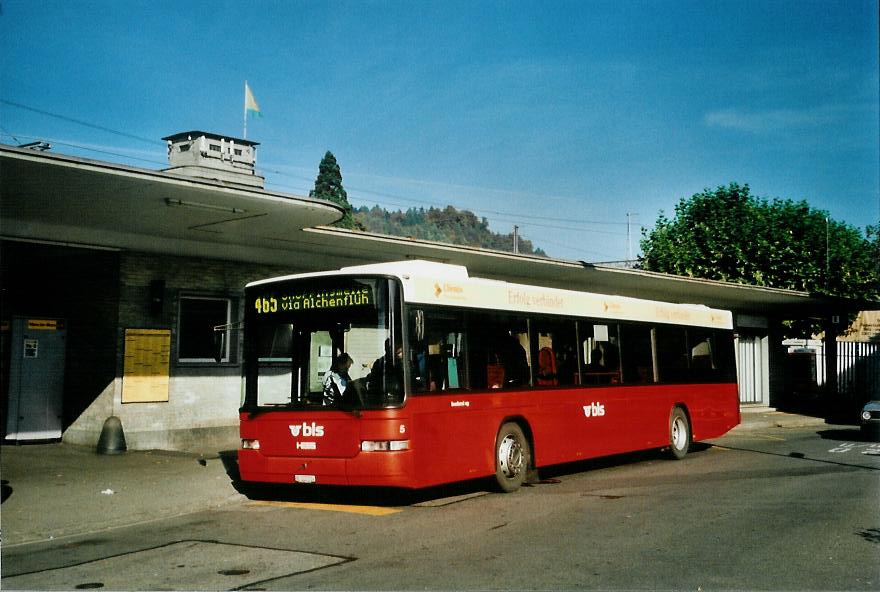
(605, 407)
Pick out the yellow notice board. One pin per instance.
(147, 360)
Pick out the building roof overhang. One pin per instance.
(66, 199)
(69, 200)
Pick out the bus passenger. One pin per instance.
(337, 379)
(386, 376)
(516, 365)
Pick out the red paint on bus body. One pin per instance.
(451, 437)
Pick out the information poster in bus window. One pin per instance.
(145, 375)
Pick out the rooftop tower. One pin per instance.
(212, 156)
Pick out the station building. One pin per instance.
(112, 276)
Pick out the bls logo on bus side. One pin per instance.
(594, 410)
(312, 430)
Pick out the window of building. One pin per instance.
(196, 339)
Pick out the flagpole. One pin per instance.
(245, 110)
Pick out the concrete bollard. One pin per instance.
(112, 440)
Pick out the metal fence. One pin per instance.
(858, 369)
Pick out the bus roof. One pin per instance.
(429, 282)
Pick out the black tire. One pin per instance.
(512, 457)
(679, 433)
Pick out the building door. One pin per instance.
(36, 379)
(752, 367)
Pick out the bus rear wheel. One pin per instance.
(512, 457)
(679, 433)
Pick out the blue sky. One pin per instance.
(561, 117)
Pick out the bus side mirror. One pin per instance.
(219, 344)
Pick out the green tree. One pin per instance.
(328, 186)
(728, 234)
(447, 225)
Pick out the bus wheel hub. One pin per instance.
(510, 456)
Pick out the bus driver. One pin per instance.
(337, 379)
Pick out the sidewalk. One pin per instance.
(51, 491)
(754, 418)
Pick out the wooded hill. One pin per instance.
(447, 225)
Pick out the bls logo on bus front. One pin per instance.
(305, 430)
(594, 410)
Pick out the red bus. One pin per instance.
(415, 374)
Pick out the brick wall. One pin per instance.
(203, 397)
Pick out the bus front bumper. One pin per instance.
(384, 469)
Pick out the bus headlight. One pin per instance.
(384, 445)
(250, 444)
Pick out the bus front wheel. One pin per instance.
(512, 457)
(679, 433)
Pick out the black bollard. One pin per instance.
(112, 440)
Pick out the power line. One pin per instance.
(80, 122)
(526, 223)
(84, 147)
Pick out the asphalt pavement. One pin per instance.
(57, 491)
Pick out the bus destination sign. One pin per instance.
(315, 300)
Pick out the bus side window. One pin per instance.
(499, 352)
(673, 360)
(601, 355)
(636, 354)
(438, 351)
(710, 354)
(556, 356)
(723, 355)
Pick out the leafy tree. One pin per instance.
(730, 235)
(447, 225)
(328, 186)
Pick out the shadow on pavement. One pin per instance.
(849, 435)
(393, 497)
(330, 494)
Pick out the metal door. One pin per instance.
(36, 379)
(752, 366)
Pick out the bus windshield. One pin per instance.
(323, 343)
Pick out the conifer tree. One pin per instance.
(328, 186)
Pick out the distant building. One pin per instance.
(866, 327)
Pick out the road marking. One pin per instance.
(446, 501)
(763, 437)
(365, 510)
(873, 449)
